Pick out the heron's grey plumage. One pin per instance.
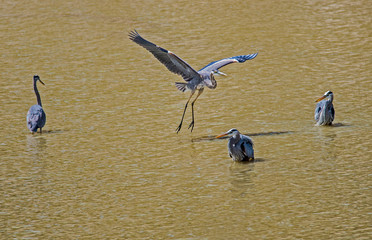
(169, 59)
(36, 117)
(240, 146)
(324, 111)
(223, 62)
(194, 80)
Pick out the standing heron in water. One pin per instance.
(324, 111)
(240, 146)
(194, 80)
(36, 117)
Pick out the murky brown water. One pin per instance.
(110, 164)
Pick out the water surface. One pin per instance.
(109, 163)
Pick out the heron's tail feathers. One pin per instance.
(181, 86)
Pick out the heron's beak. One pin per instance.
(222, 135)
(320, 99)
(220, 73)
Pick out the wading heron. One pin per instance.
(36, 117)
(240, 146)
(194, 80)
(324, 111)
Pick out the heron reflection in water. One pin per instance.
(194, 80)
(36, 117)
(240, 146)
(324, 111)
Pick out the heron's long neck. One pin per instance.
(209, 81)
(330, 98)
(37, 94)
(214, 82)
(235, 138)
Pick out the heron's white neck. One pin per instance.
(209, 81)
(330, 98)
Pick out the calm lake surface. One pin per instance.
(109, 164)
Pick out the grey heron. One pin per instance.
(324, 111)
(36, 117)
(194, 80)
(240, 146)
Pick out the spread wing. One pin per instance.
(169, 59)
(223, 62)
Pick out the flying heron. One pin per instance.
(240, 146)
(194, 80)
(324, 111)
(36, 117)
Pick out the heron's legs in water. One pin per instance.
(183, 115)
(192, 108)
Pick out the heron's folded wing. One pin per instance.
(223, 62)
(36, 116)
(332, 113)
(169, 59)
(247, 147)
(318, 109)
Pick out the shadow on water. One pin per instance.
(213, 137)
(336, 125)
(340, 125)
(48, 132)
(256, 160)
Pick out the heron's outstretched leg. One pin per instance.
(192, 108)
(183, 115)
